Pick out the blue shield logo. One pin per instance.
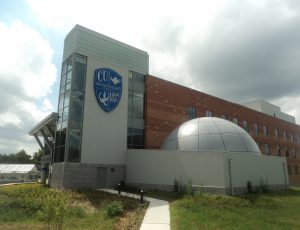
(108, 88)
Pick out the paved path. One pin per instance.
(157, 216)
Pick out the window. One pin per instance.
(276, 132)
(278, 151)
(245, 125)
(293, 153)
(192, 112)
(267, 150)
(284, 135)
(292, 137)
(72, 87)
(296, 169)
(266, 131)
(224, 116)
(209, 113)
(135, 138)
(135, 127)
(74, 146)
(255, 128)
(297, 139)
(289, 170)
(287, 153)
(235, 120)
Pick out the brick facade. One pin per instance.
(166, 106)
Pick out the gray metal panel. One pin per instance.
(214, 134)
(104, 135)
(96, 45)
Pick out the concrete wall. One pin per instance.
(159, 168)
(78, 175)
(259, 170)
(206, 170)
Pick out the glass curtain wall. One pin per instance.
(70, 109)
(136, 90)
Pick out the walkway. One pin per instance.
(157, 216)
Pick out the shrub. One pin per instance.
(249, 187)
(176, 186)
(114, 209)
(189, 188)
(53, 212)
(264, 186)
(77, 212)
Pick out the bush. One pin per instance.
(249, 187)
(176, 186)
(77, 212)
(264, 186)
(53, 212)
(189, 188)
(114, 209)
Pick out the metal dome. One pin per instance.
(210, 134)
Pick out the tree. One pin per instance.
(37, 157)
(20, 157)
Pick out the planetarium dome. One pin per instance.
(210, 134)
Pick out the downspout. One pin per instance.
(284, 174)
(230, 177)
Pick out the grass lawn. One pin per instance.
(278, 210)
(32, 206)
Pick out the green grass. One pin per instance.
(23, 207)
(280, 210)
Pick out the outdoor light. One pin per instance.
(142, 195)
(119, 188)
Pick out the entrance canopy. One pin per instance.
(46, 129)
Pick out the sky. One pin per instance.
(232, 49)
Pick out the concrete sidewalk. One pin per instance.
(157, 216)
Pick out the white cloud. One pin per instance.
(290, 105)
(10, 118)
(26, 77)
(200, 44)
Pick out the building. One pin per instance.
(109, 104)
(18, 173)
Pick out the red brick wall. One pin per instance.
(166, 108)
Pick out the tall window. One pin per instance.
(296, 169)
(135, 129)
(289, 170)
(224, 116)
(276, 132)
(278, 150)
(287, 153)
(292, 137)
(284, 135)
(255, 128)
(267, 150)
(293, 153)
(70, 109)
(245, 125)
(192, 112)
(209, 113)
(266, 131)
(235, 120)
(297, 139)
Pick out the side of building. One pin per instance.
(168, 105)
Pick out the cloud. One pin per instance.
(256, 52)
(237, 50)
(26, 77)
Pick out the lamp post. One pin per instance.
(142, 195)
(119, 188)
